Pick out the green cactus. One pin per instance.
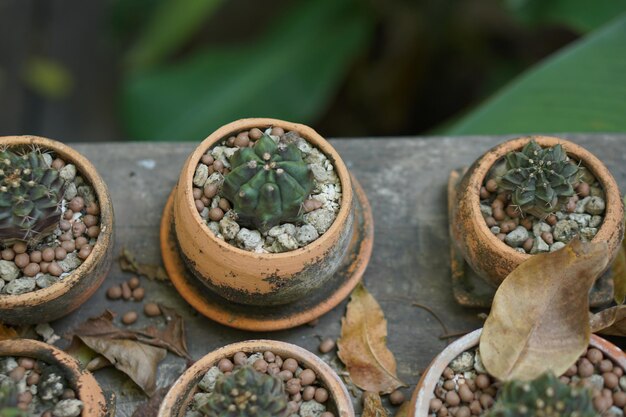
(539, 179)
(546, 396)
(268, 184)
(30, 196)
(246, 393)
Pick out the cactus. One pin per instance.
(546, 396)
(8, 400)
(268, 184)
(539, 179)
(30, 197)
(246, 392)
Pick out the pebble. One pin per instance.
(152, 309)
(126, 291)
(68, 408)
(320, 219)
(539, 246)
(517, 237)
(249, 239)
(326, 345)
(556, 246)
(588, 233)
(462, 363)
(138, 294)
(201, 175)
(565, 230)
(129, 317)
(207, 382)
(70, 262)
(229, 228)
(115, 292)
(68, 172)
(396, 397)
(20, 286)
(8, 270)
(595, 206)
(306, 234)
(46, 280)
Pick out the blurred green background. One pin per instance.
(102, 70)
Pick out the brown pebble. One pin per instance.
(610, 380)
(463, 411)
(308, 393)
(443, 412)
(501, 236)
(605, 365)
(618, 371)
(59, 253)
(55, 269)
(32, 269)
(58, 163)
(218, 166)
(138, 294)
(69, 246)
(491, 185)
(80, 242)
(278, 131)
(33, 378)
(583, 189)
(571, 371)
(93, 208)
(321, 395)
(114, 292)
(26, 363)
(449, 385)
(240, 358)
(76, 204)
(255, 133)
(547, 237)
(311, 204)
(396, 397)
(278, 361)
(216, 214)
(224, 204)
(134, 283)
(326, 345)
(475, 407)
(78, 229)
(207, 159)
(17, 373)
(293, 386)
(619, 399)
(452, 398)
(47, 414)
(490, 221)
(551, 220)
(197, 193)
(290, 364)
(242, 140)
(601, 404)
(448, 373)
(483, 381)
(210, 190)
(486, 400)
(84, 252)
(126, 291)
(269, 356)
(68, 214)
(595, 356)
(435, 405)
(528, 244)
(199, 205)
(64, 225)
(21, 260)
(93, 231)
(225, 365)
(585, 368)
(285, 375)
(307, 377)
(66, 237)
(129, 318)
(498, 214)
(91, 220)
(152, 309)
(19, 247)
(273, 369)
(497, 203)
(526, 223)
(68, 394)
(297, 397)
(512, 211)
(466, 393)
(260, 365)
(484, 194)
(8, 254)
(25, 397)
(206, 201)
(292, 407)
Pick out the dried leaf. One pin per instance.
(372, 406)
(611, 321)
(137, 360)
(150, 408)
(363, 345)
(403, 410)
(539, 318)
(128, 263)
(7, 332)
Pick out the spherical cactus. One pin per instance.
(246, 393)
(30, 196)
(546, 396)
(539, 179)
(267, 184)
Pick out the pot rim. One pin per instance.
(589, 161)
(182, 389)
(311, 136)
(86, 169)
(86, 386)
(421, 397)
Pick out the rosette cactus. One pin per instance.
(244, 393)
(267, 184)
(30, 196)
(540, 179)
(546, 396)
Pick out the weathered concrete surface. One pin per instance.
(405, 179)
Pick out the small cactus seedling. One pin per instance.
(30, 196)
(268, 184)
(546, 396)
(246, 393)
(539, 179)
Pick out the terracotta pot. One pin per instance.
(424, 392)
(257, 278)
(66, 295)
(83, 382)
(177, 399)
(493, 259)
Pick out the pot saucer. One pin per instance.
(270, 318)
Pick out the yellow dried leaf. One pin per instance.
(611, 321)
(363, 345)
(7, 332)
(539, 318)
(372, 405)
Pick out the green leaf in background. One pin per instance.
(170, 25)
(47, 77)
(290, 73)
(580, 15)
(581, 88)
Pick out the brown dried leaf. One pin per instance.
(372, 406)
(128, 263)
(539, 318)
(611, 321)
(7, 332)
(363, 345)
(137, 360)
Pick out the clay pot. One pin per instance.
(259, 279)
(66, 295)
(493, 259)
(424, 391)
(82, 382)
(177, 399)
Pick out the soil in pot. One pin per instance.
(304, 394)
(538, 199)
(36, 388)
(49, 219)
(466, 389)
(279, 198)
